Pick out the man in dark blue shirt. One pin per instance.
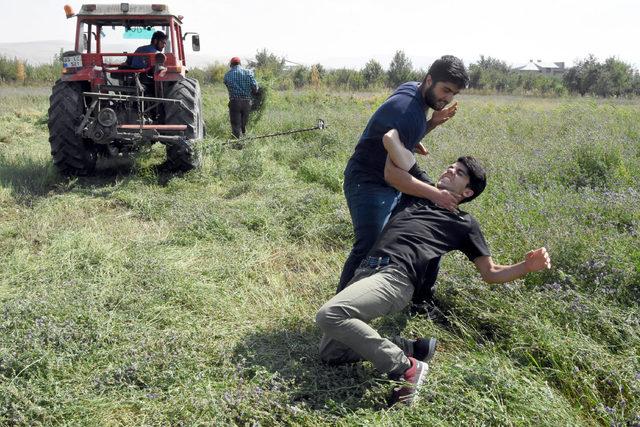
(371, 189)
(158, 43)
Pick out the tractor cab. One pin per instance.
(107, 37)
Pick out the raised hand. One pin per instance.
(537, 260)
(439, 117)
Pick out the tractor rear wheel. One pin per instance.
(72, 155)
(183, 155)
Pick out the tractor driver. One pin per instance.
(158, 42)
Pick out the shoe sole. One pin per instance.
(423, 373)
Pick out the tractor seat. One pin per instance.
(128, 80)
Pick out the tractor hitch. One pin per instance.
(103, 127)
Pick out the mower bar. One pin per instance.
(156, 127)
(116, 97)
(150, 135)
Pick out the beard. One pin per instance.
(431, 100)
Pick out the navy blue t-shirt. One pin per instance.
(405, 111)
(141, 61)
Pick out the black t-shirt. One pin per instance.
(422, 231)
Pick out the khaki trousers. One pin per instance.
(344, 321)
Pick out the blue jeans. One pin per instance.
(370, 206)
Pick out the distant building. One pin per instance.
(548, 68)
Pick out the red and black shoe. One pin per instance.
(413, 378)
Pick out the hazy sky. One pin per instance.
(349, 32)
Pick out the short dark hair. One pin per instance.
(449, 69)
(158, 35)
(477, 176)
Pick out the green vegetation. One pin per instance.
(490, 75)
(135, 298)
(612, 78)
(588, 77)
(17, 71)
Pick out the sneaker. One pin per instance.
(423, 349)
(413, 378)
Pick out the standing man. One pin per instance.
(371, 190)
(158, 43)
(241, 86)
(394, 270)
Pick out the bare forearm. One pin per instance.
(535, 260)
(402, 181)
(400, 156)
(505, 273)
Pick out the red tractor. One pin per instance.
(102, 105)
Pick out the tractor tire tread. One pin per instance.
(71, 154)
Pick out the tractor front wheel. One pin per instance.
(72, 155)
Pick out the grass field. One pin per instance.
(133, 298)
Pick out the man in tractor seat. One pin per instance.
(158, 42)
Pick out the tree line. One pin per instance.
(588, 76)
(270, 67)
(488, 75)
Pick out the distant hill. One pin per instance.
(35, 53)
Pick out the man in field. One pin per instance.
(241, 86)
(371, 190)
(395, 269)
(158, 43)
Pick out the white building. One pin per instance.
(549, 68)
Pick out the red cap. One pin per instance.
(235, 60)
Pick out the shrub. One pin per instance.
(597, 166)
